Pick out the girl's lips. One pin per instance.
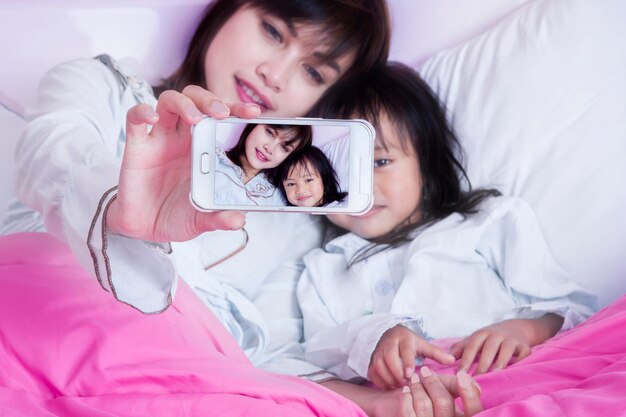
(249, 94)
(304, 197)
(261, 156)
(373, 211)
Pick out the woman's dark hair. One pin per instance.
(319, 162)
(361, 26)
(419, 118)
(300, 135)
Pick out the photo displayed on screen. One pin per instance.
(281, 165)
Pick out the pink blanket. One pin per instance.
(67, 348)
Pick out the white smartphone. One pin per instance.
(308, 165)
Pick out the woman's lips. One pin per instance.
(261, 156)
(248, 94)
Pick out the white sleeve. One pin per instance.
(516, 248)
(277, 302)
(344, 349)
(68, 163)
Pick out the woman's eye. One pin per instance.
(286, 148)
(381, 162)
(269, 132)
(272, 32)
(314, 74)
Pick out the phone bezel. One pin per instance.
(361, 175)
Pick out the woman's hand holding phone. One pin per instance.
(153, 191)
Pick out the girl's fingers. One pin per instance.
(137, 119)
(440, 396)
(457, 349)
(469, 391)
(407, 356)
(523, 351)
(490, 349)
(174, 107)
(428, 350)
(507, 350)
(385, 377)
(474, 345)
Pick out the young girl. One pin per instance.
(431, 259)
(307, 179)
(241, 173)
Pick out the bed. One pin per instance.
(536, 91)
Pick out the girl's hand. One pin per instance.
(499, 343)
(153, 191)
(496, 345)
(393, 360)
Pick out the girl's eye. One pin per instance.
(381, 163)
(309, 180)
(272, 32)
(289, 184)
(314, 74)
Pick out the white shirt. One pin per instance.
(230, 188)
(455, 277)
(69, 158)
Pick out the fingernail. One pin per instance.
(218, 107)
(480, 390)
(408, 372)
(425, 371)
(465, 381)
(415, 379)
(256, 106)
(193, 112)
(406, 390)
(149, 112)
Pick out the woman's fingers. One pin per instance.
(441, 398)
(137, 120)
(174, 108)
(469, 391)
(219, 220)
(422, 402)
(211, 105)
(407, 403)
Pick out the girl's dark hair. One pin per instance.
(361, 26)
(419, 118)
(320, 163)
(301, 135)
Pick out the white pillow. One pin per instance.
(539, 103)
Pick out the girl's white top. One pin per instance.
(231, 190)
(453, 278)
(67, 160)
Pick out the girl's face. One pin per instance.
(397, 189)
(304, 186)
(266, 147)
(259, 58)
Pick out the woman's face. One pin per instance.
(304, 186)
(266, 147)
(258, 58)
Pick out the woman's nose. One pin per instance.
(275, 73)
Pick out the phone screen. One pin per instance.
(280, 165)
